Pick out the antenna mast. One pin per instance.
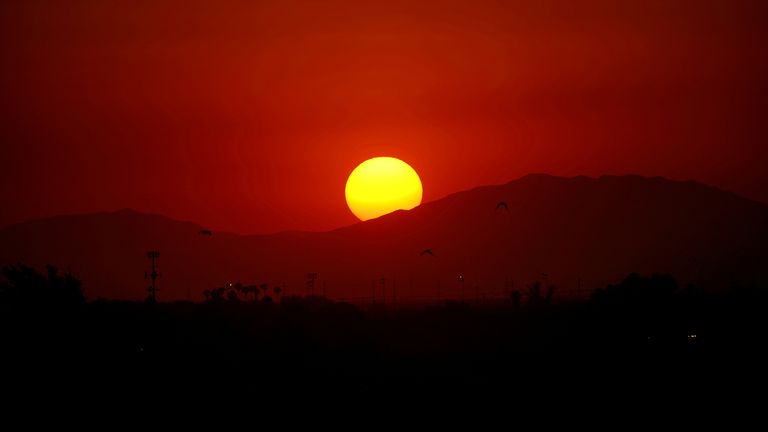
(152, 276)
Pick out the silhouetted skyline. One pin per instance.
(582, 232)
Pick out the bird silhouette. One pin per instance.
(503, 205)
(206, 232)
(427, 252)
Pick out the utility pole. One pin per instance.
(509, 285)
(152, 275)
(394, 292)
(578, 289)
(311, 278)
(461, 281)
(373, 291)
(383, 281)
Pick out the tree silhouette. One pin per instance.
(239, 291)
(534, 293)
(232, 295)
(240, 288)
(550, 294)
(215, 295)
(638, 291)
(516, 297)
(23, 284)
(254, 289)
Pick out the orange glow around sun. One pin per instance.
(382, 185)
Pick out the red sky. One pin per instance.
(248, 116)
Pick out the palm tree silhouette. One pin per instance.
(240, 288)
(253, 289)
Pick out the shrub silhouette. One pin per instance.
(534, 294)
(516, 298)
(25, 285)
(638, 291)
(240, 292)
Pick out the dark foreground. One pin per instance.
(677, 339)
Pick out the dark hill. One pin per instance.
(596, 230)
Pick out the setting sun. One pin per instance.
(382, 185)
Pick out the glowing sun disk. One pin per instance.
(382, 185)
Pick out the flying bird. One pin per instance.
(503, 205)
(206, 232)
(427, 252)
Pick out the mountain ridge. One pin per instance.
(594, 230)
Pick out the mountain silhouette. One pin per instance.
(576, 233)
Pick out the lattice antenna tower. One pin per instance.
(153, 275)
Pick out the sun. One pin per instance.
(382, 185)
